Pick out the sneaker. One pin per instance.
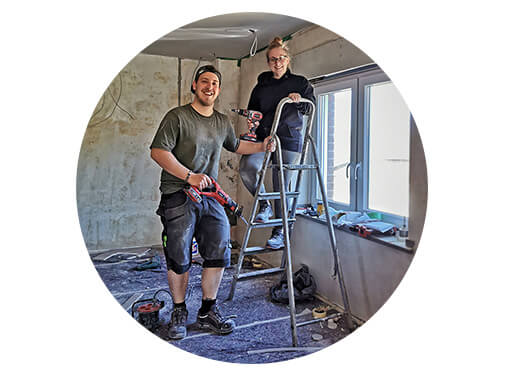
(177, 328)
(265, 213)
(214, 321)
(276, 241)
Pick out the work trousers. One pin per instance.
(250, 165)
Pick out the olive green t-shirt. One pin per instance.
(195, 140)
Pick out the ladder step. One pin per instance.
(275, 195)
(295, 167)
(256, 250)
(261, 272)
(272, 223)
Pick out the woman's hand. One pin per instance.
(268, 144)
(295, 97)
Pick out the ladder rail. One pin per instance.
(286, 252)
(332, 238)
(305, 147)
(245, 242)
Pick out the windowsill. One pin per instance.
(389, 241)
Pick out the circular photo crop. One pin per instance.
(251, 188)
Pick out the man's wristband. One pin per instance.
(188, 176)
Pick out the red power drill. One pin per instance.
(252, 117)
(218, 194)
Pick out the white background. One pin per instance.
(448, 321)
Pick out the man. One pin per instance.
(187, 146)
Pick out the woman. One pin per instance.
(272, 87)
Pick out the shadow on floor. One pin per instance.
(261, 324)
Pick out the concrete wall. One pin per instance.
(117, 182)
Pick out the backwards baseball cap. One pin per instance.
(203, 69)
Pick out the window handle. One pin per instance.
(346, 169)
(358, 165)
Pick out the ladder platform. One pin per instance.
(257, 250)
(295, 167)
(276, 195)
(260, 272)
(272, 223)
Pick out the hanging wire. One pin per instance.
(116, 104)
(197, 66)
(199, 62)
(254, 46)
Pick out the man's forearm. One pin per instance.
(248, 147)
(169, 163)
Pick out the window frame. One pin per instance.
(360, 141)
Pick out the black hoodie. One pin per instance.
(268, 93)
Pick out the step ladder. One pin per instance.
(286, 261)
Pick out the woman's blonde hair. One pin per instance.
(277, 42)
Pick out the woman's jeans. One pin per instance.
(250, 165)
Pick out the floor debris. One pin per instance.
(263, 332)
(316, 336)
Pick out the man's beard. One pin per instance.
(205, 103)
(204, 100)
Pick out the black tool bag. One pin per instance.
(304, 287)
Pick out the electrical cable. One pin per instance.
(197, 66)
(254, 46)
(102, 105)
(116, 104)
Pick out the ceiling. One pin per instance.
(227, 36)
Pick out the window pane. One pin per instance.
(336, 127)
(388, 121)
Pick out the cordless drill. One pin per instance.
(252, 117)
(218, 194)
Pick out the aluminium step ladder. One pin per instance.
(283, 195)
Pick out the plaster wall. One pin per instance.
(117, 182)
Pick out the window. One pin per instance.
(362, 130)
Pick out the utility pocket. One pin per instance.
(173, 207)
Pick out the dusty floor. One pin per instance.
(261, 324)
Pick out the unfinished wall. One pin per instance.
(371, 271)
(117, 182)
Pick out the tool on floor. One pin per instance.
(150, 264)
(252, 117)
(287, 221)
(148, 314)
(218, 194)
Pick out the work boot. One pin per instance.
(177, 328)
(214, 321)
(276, 241)
(265, 212)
